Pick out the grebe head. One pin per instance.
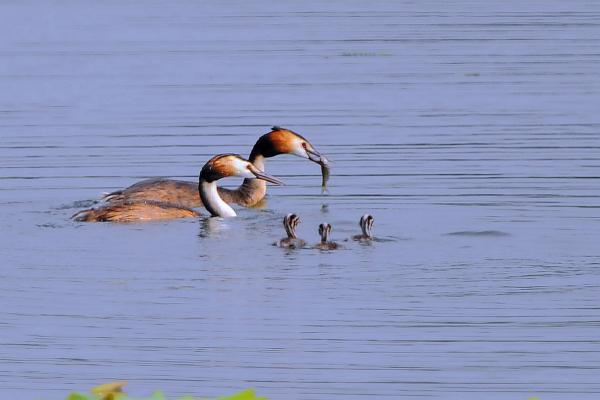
(285, 141)
(224, 165)
(290, 222)
(366, 224)
(324, 230)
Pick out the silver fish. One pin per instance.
(325, 172)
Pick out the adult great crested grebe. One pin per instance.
(366, 225)
(278, 141)
(325, 244)
(218, 167)
(290, 222)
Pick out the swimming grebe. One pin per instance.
(366, 225)
(325, 244)
(290, 222)
(278, 141)
(218, 167)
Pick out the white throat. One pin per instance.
(213, 202)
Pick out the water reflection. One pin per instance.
(213, 227)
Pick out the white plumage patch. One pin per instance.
(241, 169)
(299, 150)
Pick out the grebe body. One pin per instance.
(218, 167)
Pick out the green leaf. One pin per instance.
(79, 396)
(158, 395)
(247, 394)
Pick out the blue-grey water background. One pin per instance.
(469, 129)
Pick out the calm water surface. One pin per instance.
(469, 130)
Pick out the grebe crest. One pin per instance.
(366, 225)
(325, 244)
(290, 222)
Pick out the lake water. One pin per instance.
(469, 130)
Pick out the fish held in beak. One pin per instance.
(325, 172)
(315, 156)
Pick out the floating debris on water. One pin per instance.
(488, 233)
(114, 391)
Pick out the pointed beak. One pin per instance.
(317, 157)
(261, 175)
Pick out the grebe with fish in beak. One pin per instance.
(278, 141)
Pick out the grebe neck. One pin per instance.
(254, 189)
(212, 201)
(258, 160)
(365, 230)
(292, 233)
(289, 230)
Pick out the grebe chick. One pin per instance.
(218, 167)
(278, 141)
(325, 244)
(290, 222)
(366, 225)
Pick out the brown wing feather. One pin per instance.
(186, 193)
(162, 190)
(135, 212)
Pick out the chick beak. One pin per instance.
(261, 175)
